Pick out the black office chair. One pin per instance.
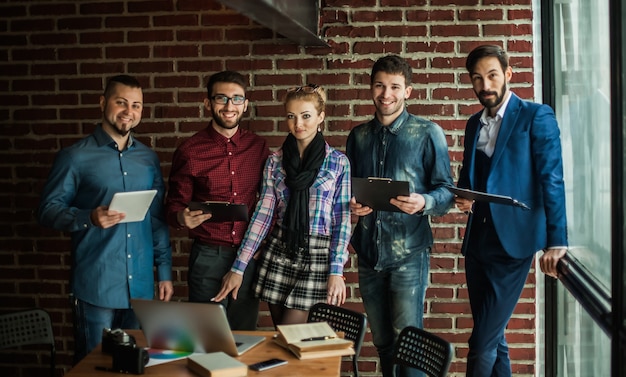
(25, 328)
(352, 323)
(419, 349)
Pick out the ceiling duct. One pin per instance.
(297, 20)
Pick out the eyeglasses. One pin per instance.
(310, 88)
(223, 100)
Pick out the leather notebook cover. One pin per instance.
(222, 211)
(483, 196)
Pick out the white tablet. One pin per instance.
(134, 204)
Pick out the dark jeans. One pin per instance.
(207, 266)
(90, 320)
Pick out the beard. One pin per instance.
(220, 122)
(121, 131)
(388, 111)
(110, 120)
(495, 102)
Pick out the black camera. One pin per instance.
(112, 338)
(127, 357)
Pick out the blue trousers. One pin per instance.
(393, 299)
(90, 320)
(494, 282)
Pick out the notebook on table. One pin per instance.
(190, 326)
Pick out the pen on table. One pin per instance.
(316, 338)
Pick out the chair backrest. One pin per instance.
(25, 328)
(353, 324)
(422, 350)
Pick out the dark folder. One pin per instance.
(222, 211)
(376, 192)
(485, 197)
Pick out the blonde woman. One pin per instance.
(306, 191)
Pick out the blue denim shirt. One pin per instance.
(109, 266)
(410, 149)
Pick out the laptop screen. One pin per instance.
(189, 326)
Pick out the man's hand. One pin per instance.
(166, 290)
(409, 204)
(464, 205)
(358, 209)
(549, 260)
(103, 218)
(231, 282)
(192, 219)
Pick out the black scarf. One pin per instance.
(300, 175)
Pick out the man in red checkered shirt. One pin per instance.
(219, 163)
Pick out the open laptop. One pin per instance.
(190, 326)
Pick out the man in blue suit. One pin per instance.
(512, 148)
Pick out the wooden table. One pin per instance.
(329, 366)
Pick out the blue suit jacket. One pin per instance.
(527, 166)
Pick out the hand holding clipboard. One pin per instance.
(376, 192)
(221, 211)
(485, 197)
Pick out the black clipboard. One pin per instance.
(221, 211)
(376, 192)
(485, 197)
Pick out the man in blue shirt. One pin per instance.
(111, 261)
(393, 248)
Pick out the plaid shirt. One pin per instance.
(329, 208)
(209, 166)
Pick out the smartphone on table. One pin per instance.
(267, 364)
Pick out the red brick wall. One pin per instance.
(55, 56)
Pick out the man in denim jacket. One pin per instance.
(393, 248)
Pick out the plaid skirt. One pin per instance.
(296, 280)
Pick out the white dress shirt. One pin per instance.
(490, 128)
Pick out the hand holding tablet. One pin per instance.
(486, 197)
(134, 204)
(221, 211)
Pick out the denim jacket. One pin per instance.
(410, 149)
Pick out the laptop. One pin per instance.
(190, 327)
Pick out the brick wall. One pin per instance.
(55, 56)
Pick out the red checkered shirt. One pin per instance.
(209, 166)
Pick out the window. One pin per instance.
(583, 109)
(578, 86)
